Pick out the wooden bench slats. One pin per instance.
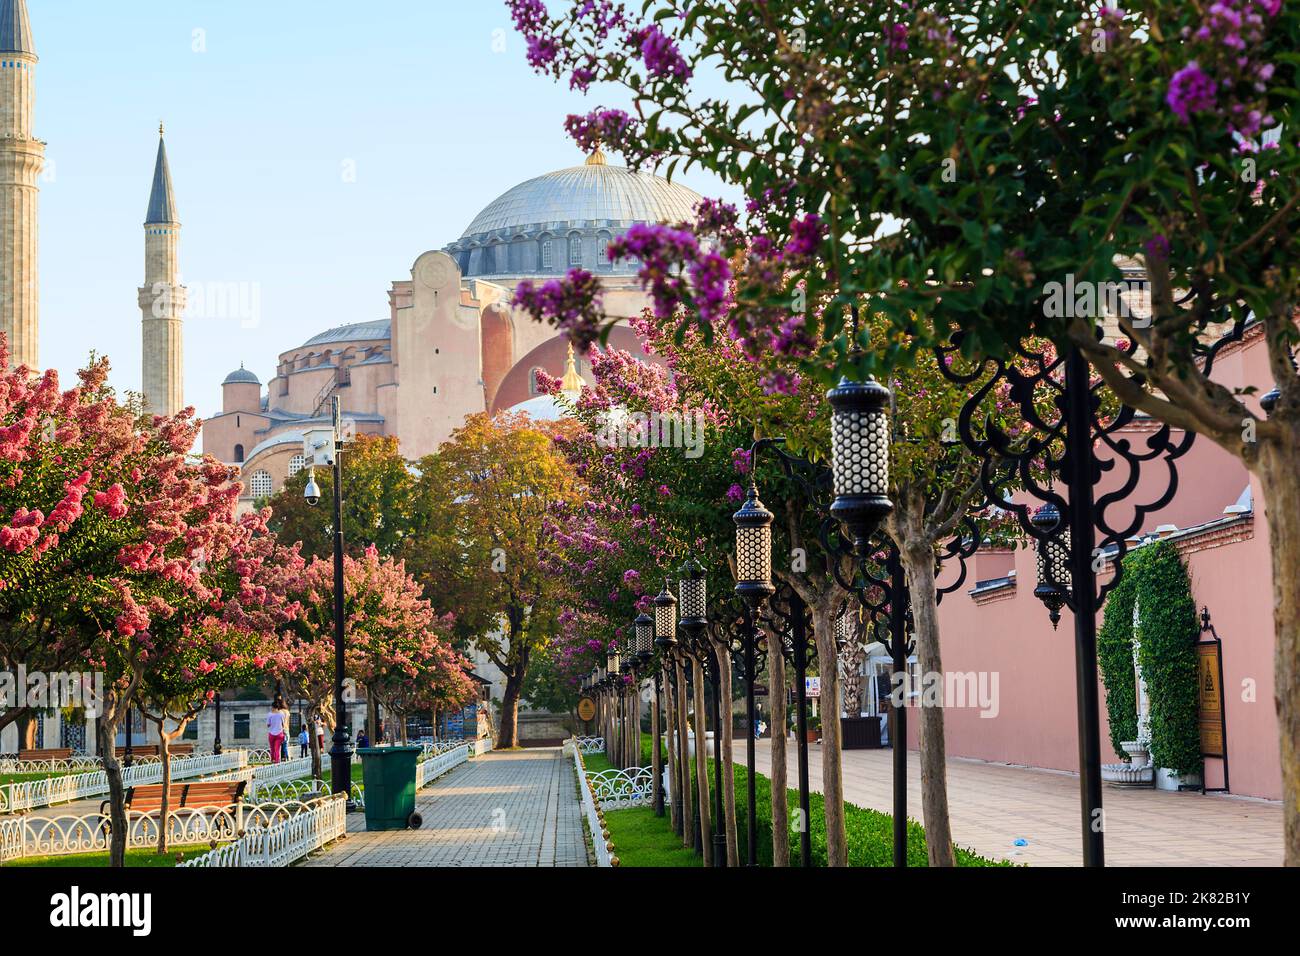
(48, 753)
(148, 798)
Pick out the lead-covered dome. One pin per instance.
(564, 220)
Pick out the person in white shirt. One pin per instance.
(277, 729)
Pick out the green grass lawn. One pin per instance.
(145, 857)
(642, 839)
(24, 777)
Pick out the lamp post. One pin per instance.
(615, 704)
(324, 447)
(643, 641)
(754, 585)
(665, 638)
(1057, 399)
(216, 739)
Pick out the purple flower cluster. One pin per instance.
(660, 53)
(1190, 91)
(1227, 77)
(664, 253)
(571, 303)
(805, 237)
(597, 127)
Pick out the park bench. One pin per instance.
(154, 750)
(49, 753)
(215, 795)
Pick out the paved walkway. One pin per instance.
(504, 808)
(992, 805)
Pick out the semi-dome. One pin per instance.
(241, 376)
(356, 332)
(565, 219)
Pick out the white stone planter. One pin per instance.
(1168, 780)
(690, 743)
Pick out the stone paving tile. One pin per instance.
(504, 808)
(991, 805)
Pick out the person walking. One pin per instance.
(277, 728)
(304, 741)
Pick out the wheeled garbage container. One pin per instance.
(389, 774)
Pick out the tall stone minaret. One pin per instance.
(162, 297)
(21, 159)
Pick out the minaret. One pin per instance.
(21, 159)
(162, 297)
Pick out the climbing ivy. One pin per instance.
(1115, 656)
(1167, 617)
(1156, 578)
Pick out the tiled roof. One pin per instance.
(162, 202)
(15, 28)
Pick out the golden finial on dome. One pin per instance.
(597, 157)
(572, 381)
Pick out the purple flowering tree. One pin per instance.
(952, 161)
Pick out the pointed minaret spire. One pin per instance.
(162, 297)
(15, 28)
(571, 384)
(162, 202)
(22, 157)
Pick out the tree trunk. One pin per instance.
(918, 561)
(1279, 475)
(107, 733)
(165, 753)
(724, 737)
(656, 764)
(670, 735)
(780, 807)
(832, 774)
(683, 757)
(702, 764)
(508, 732)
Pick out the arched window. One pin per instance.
(575, 250)
(259, 486)
(602, 251)
(296, 464)
(239, 453)
(546, 254)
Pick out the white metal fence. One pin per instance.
(432, 767)
(89, 833)
(285, 842)
(620, 789)
(31, 794)
(589, 814)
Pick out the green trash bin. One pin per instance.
(389, 774)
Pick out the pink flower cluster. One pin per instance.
(598, 127)
(571, 303)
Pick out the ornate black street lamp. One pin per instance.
(665, 638)
(1053, 553)
(860, 430)
(754, 585)
(1065, 423)
(216, 740)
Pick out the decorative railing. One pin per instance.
(31, 794)
(74, 764)
(598, 843)
(285, 842)
(296, 790)
(90, 833)
(429, 769)
(620, 789)
(590, 745)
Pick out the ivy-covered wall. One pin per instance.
(1154, 577)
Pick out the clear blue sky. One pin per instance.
(438, 119)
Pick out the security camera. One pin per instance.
(312, 491)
